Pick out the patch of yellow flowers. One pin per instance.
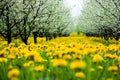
(63, 51)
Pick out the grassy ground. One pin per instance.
(64, 58)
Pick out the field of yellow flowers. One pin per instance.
(64, 58)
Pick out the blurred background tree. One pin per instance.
(51, 19)
(42, 18)
(101, 18)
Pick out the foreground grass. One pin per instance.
(65, 58)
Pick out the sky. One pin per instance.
(75, 6)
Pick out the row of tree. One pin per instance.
(101, 18)
(40, 18)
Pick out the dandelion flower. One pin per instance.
(28, 64)
(107, 55)
(11, 56)
(13, 73)
(92, 69)
(39, 68)
(109, 79)
(2, 53)
(67, 56)
(112, 56)
(77, 64)
(49, 54)
(14, 78)
(38, 58)
(59, 62)
(80, 74)
(97, 58)
(113, 68)
(3, 59)
(100, 67)
(10, 67)
(14, 50)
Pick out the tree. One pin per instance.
(103, 16)
(7, 15)
(22, 18)
(52, 20)
(29, 11)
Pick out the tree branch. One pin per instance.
(106, 9)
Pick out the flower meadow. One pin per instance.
(63, 58)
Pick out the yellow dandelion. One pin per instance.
(14, 50)
(4, 43)
(31, 54)
(97, 58)
(114, 56)
(107, 55)
(77, 56)
(10, 67)
(88, 51)
(119, 58)
(11, 45)
(115, 73)
(67, 56)
(92, 69)
(49, 54)
(80, 74)
(3, 59)
(100, 67)
(119, 65)
(2, 53)
(28, 64)
(13, 73)
(11, 56)
(38, 58)
(109, 79)
(39, 68)
(59, 62)
(113, 68)
(77, 64)
(14, 78)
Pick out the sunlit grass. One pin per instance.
(65, 58)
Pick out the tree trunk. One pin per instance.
(117, 36)
(47, 38)
(35, 37)
(8, 27)
(25, 38)
(25, 41)
(9, 36)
